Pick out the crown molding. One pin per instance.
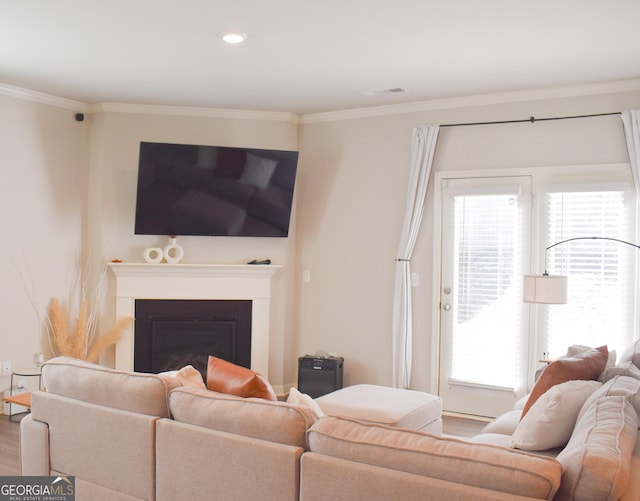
(331, 116)
(273, 116)
(60, 102)
(42, 98)
(477, 100)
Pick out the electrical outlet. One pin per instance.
(6, 368)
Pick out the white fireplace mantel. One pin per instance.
(195, 281)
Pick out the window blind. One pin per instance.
(487, 330)
(601, 273)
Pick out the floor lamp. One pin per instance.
(552, 289)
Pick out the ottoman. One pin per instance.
(410, 409)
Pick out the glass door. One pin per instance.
(484, 332)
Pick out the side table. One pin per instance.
(26, 372)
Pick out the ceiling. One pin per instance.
(308, 57)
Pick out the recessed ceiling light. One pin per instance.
(233, 37)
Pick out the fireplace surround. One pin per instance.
(138, 281)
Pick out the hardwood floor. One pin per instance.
(459, 426)
(10, 430)
(9, 451)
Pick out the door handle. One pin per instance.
(446, 306)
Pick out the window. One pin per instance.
(490, 342)
(488, 263)
(600, 308)
(484, 324)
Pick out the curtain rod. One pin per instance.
(531, 120)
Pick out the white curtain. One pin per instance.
(631, 121)
(423, 145)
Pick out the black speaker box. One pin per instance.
(318, 376)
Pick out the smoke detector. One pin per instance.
(392, 90)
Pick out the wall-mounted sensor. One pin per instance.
(79, 117)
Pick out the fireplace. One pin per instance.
(194, 282)
(172, 333)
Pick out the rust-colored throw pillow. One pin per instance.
(587, 365)
(225, 377)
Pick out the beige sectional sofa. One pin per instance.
(128, 436)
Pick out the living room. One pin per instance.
(71, 153)
(70, 205)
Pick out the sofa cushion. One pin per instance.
(130, 391)
(225, 377)
(585, 365)
(596, 461)
(623, 369)
(551, 419)
(444, 458)
(101, 445)
(619, 386)
(251, 417)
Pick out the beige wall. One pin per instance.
(115, 140)
(43, 157)
(353, 186)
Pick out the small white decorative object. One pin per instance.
(38, 359)
(173, 252)
(153, 254)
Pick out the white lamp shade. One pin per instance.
(545, 289)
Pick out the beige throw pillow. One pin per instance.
(295, 397)
(631, 354)
(551, 419)
(187, 376)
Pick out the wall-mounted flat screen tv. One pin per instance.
(187, 189)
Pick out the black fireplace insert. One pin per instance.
(172, 333)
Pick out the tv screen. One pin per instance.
(187, 189)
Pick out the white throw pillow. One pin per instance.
(551, 419)
(188, 376)
(295, 397)
(631, 354)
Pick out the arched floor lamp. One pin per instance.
(552, 289)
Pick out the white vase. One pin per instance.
(173, 252)
(153, 254)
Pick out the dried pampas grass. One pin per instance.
(107, 339)
(82, 340)
(78, 342)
